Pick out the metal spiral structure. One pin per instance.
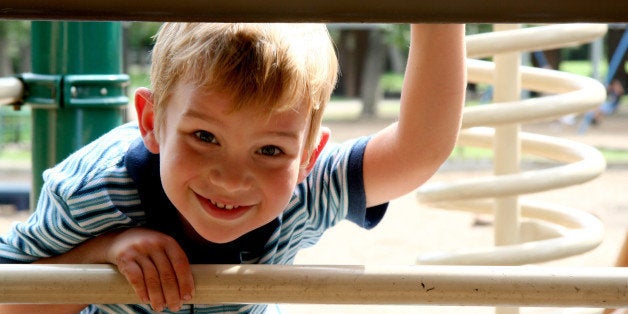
(549, 231)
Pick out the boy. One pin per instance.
(228, 165)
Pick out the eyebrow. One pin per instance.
(196, 114)
(205, 117)
(291, 135)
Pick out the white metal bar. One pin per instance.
(507, 146)
(530, 39)
(580, 94)
(584, 164)
(543, 239)
(420, 285)
(580, 232)
(11, 90)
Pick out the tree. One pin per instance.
(138, 40)
(14, 47)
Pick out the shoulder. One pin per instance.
(334, 185)
(342, 160)
(101, 158)
(92, 187)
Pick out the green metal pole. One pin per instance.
(76, 90)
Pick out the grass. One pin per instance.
(614, 155)
(391, 83)
(138, 78)
(582, 67)
(11, 154)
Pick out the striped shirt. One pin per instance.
(93, 191)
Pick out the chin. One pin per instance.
(221, 237)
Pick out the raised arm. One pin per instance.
(403, 156)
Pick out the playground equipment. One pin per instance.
(616, 58)
(613, 66)
(551, 231)
(74, 96)
(558, 231)
(11, 90)
(391, 11)
(393, 285)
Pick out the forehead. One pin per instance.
(201, 102)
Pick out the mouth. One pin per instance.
(223, 206)
(224, 211)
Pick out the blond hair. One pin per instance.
(271, 67)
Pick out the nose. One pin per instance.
(231, 175)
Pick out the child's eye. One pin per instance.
(270, 150)
(205, 136)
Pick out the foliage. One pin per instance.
(581, 52)
(472, 29)
(140, 34)
(139, 78)
(391, 83)
(397, 34)
(14, 39)
(14, 126)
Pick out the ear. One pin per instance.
(146, 118)
(322, 141)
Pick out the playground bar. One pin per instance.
(11, 90)
(408, 285)
(394, 11)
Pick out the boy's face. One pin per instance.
(227, 172)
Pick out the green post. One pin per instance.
(76, 90)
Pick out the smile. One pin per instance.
(222, 211)
(224, 206)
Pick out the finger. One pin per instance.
(153, 284)
(181, 266)
(134, 275)
(168, 279)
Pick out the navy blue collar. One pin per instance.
(161, 215)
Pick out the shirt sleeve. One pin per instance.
(335, 188)
(64, 219)
(85, 195)
(357, 212)
(49, 231)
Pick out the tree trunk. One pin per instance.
(374, 64)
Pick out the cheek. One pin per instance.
(177, 164)
(280, 184)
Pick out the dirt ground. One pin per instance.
(411, 228)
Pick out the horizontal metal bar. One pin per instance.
(419, 285)
(11, 90)
(494, 11)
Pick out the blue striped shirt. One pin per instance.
(92, 192)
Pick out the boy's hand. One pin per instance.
(155, 265)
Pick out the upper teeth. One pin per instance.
(224, 206)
